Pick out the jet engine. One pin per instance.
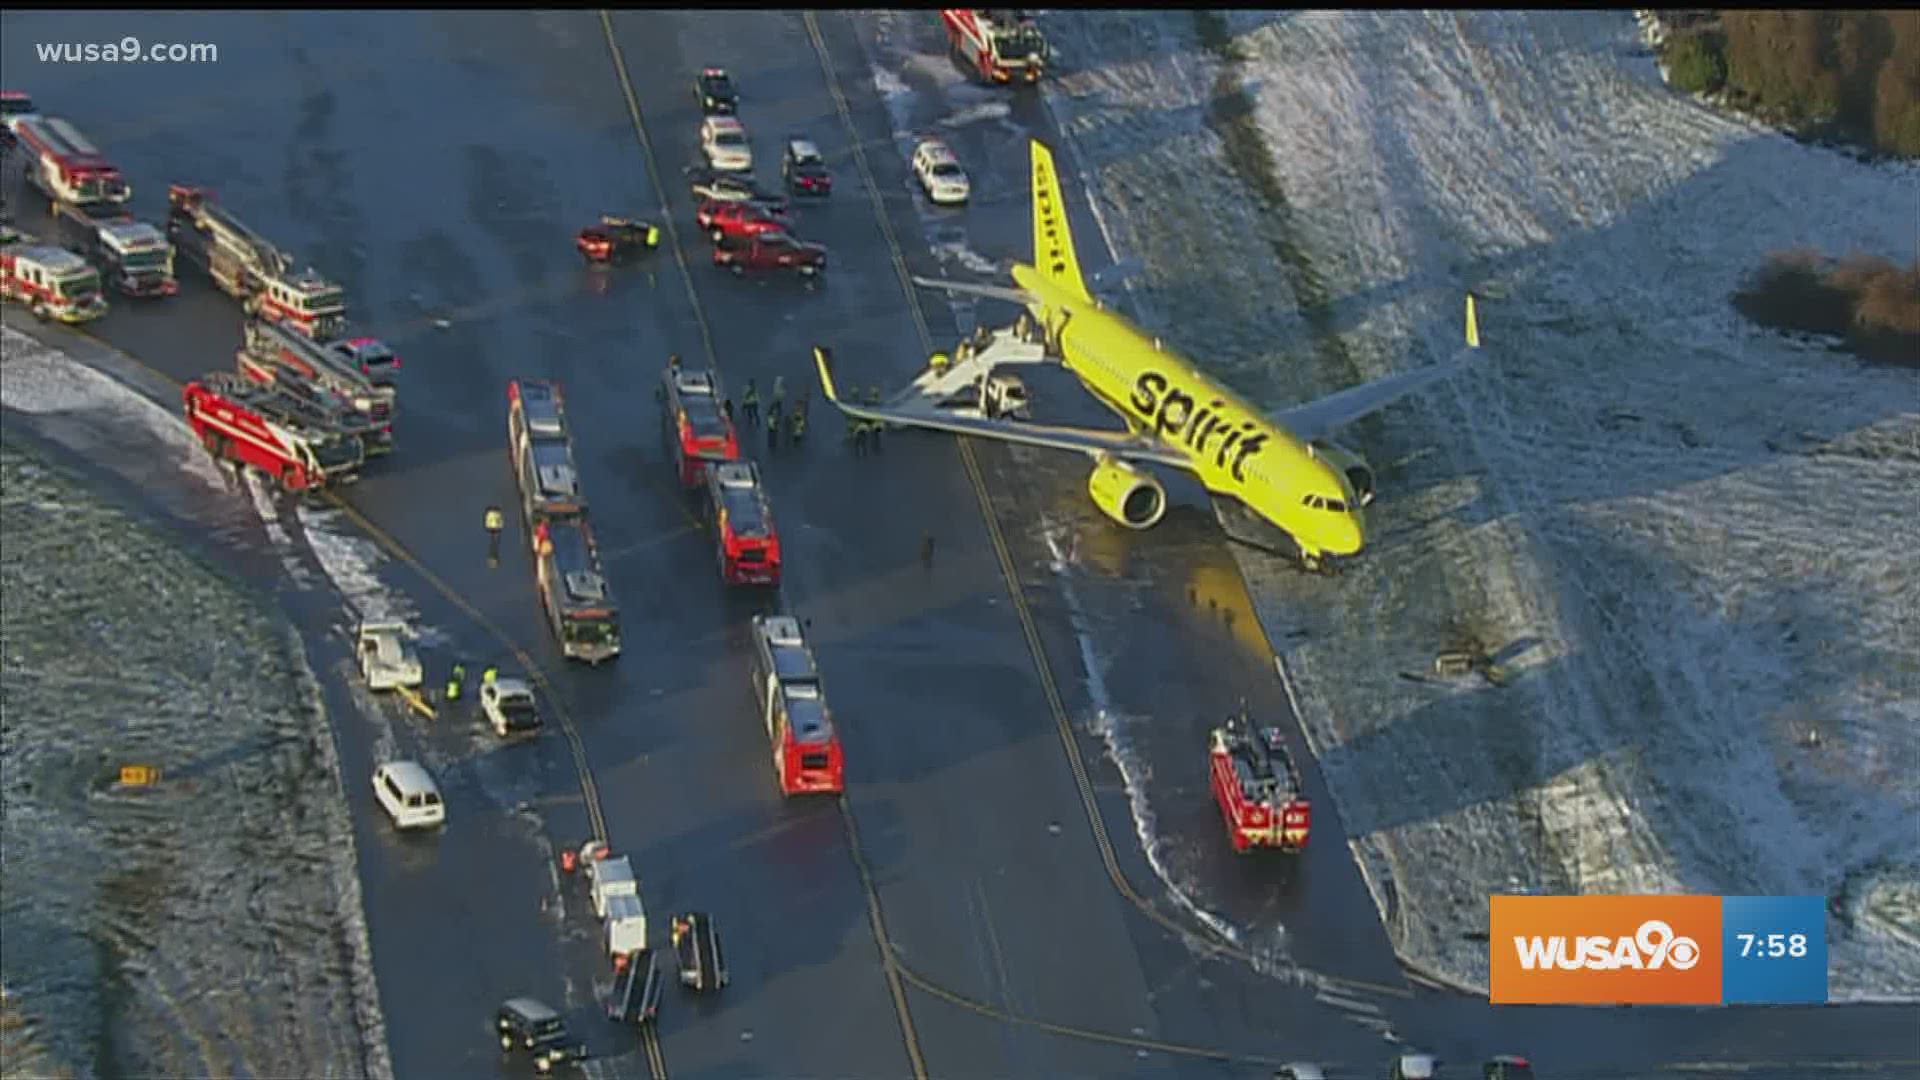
(1359, 474)
(1129, 495)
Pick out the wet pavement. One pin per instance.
(437, 165)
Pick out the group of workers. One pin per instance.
(863, 434)
(779, 419)
(457, 680)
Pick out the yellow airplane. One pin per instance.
(1282, 467)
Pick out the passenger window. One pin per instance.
(394, 790)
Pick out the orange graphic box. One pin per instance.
(1582, 950)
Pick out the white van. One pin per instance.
(409, 795)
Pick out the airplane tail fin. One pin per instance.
(1053, 254)
(823, 360)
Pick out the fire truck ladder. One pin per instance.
(283, 404)
(234, 233)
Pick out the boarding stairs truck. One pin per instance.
(303, 445)
(1004, 47)
(54, 283)
(275, 352)
(65, 167)
(616, 901)
(249, 268)
(136, 257)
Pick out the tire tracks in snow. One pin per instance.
(1230, 114)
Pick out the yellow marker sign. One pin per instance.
(413, 698)
(138, 775)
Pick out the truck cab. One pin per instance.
(695, 427)
(65, 166)
(136, 257)
(54, 283)
(16, 106)
(541, 453)
(747, 544)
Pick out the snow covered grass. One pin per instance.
(1689, 539)
(260, 771)
(210, 924)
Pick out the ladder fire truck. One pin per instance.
(134, 255)
(1258, 788)
(251, 269)
(54, 283)
(301, 443)
(786, 687)
(1003, 46)
(275, 353)
(573, 590)
(66, 167)
(747, 545)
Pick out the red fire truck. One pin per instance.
(747, 545)
(786, 686)
(573, 590)
(66, 167)
(54, 283)
(1258, 788)
(1003, 46)
(696, 429)
(275, 352)
(299, 443)
(250, 269)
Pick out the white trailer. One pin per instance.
(626, 925)
(611, 878)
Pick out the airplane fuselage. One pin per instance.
(1235, 449)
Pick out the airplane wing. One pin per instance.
(923, 413)
(989, 292)
(1328, 414)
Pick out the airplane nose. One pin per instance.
(1354, 535)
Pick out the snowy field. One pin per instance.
(1689, 540)
(210, 925)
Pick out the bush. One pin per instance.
(1695, 63)
(1854, 75)
(1872, 303)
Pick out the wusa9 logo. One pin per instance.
(1605, 950)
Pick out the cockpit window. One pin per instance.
(1318, 502)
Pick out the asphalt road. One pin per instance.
(437, 165)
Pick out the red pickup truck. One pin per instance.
(770, 251)
(739, 219)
